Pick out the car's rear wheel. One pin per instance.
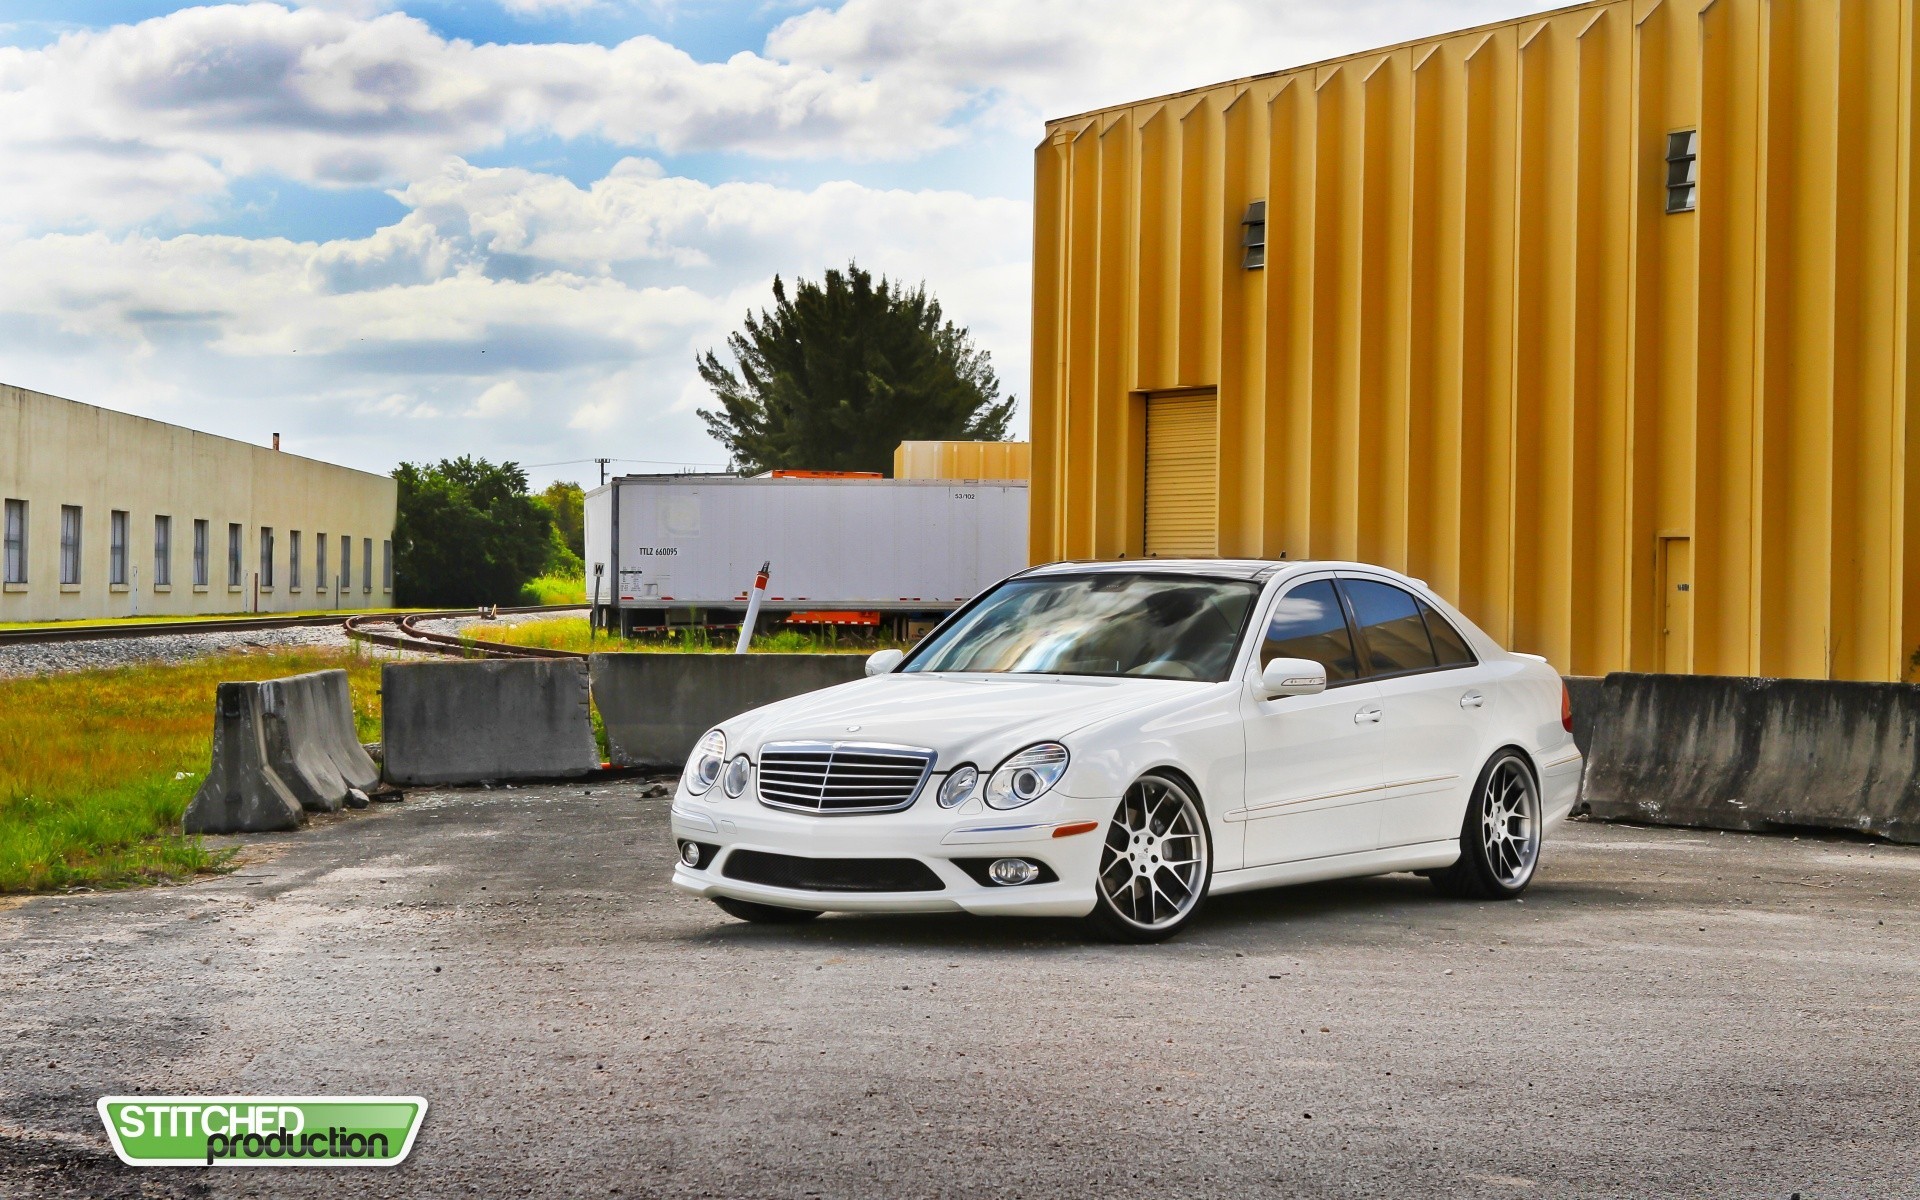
(763, 914)
(1156, 863)
(1500, 838)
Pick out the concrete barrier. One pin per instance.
(242, 792)
(476, 721)
(1757, 754)
(310, 739)
(655, 706)
(357, 768)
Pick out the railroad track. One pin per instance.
(407, 635)
(124, 629)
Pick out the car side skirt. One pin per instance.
(1424, 856)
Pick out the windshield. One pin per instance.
(1155, 626)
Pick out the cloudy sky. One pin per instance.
(420, 228)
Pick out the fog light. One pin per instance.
(1012, 872)
(690, 853)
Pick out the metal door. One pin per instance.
(1183, 510)
(1676, 605)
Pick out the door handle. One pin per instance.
(1473, 700)
(1367, 716)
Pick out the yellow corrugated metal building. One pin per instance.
(1598, 320)
(961, 460)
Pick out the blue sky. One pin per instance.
(400, 229)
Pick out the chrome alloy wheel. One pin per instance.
(1155, 863)
(1510, 822)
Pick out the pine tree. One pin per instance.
(836, 377)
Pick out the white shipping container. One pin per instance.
(890, 545)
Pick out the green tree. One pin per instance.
(566, 507)
(844, 371)
(467, 533)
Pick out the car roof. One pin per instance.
(1217, 568)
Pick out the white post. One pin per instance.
(754, 598)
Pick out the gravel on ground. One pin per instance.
(1667, 1013)
(46, 658)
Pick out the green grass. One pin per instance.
(96, 767)
(571, 633)
(555, 589)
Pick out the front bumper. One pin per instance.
(926, 832)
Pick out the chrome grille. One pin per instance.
(842, 777)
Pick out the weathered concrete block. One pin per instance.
(294, 719)
(242, 792)
(1757, 754)
(477, 720)
(655, 706)
(334, 699)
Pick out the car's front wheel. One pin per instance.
(1500, 838)
(1156, 863)
(763, 914)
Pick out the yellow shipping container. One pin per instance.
(1597, 320)
(961, 460)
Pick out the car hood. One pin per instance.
(964, 718)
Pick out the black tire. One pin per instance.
(1500, 836)
(764, 914)
(1156, 810)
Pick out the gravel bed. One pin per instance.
(47, 658)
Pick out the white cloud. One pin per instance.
(506, 398)
(113, 126)
(1029, 59)
(533, 318)
(529, 8)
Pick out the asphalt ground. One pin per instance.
(1668, 1013)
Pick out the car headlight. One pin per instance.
(738, 771)
(704, 767)
(958, 788)
(1026, 776)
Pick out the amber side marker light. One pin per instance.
(1076, 827)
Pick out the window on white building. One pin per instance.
(70, 544)
(163, 552)
(16, 541)
(200, 536)
(117, 548)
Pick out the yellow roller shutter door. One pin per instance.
(1183, 512)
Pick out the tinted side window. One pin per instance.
(1390, 625)
(1451, 648)
(1308, 623)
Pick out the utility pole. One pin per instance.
(603, 469)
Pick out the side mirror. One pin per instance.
(1290, 677)
(881, 662)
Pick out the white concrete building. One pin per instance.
(111, 515)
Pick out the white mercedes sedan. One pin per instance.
(1118, 740)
